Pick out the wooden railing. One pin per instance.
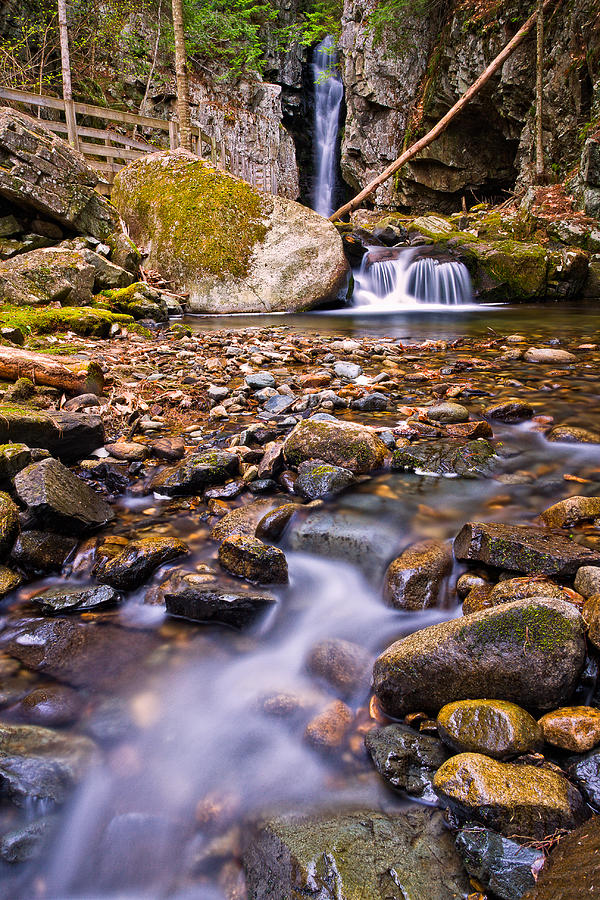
(108, 150)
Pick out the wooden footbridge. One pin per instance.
(109, 138)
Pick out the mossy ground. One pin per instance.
(80, 320)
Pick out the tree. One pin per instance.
(539, 96)
(66, 75)
(181, 73)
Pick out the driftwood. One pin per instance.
(51, 371)
(445, 121)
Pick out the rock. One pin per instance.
(327, 731)
(61, 500)
(9, 581)
(40, 552)
(571, 511)
(549, 355)
(509, 411)
(448, 413)
(473, 459)
(14, 335)
(170, 449)
(82, 401)
(194, 599)
(572, 866)
(259, 380)
(284, 258)
(344, 444)
(53, 705)
(130, 451)
(9, 523)
(41, 170)
(13, 458)
(108, 275)
(585, 772)
(279, 404)
(318, 479)
(513, 799)
(502, 866)
(414, 579)
(348, 371)
(273, 524)
(60, 600)
(196, 473)
(342, 665)
(522, 548)
(272, 462)
(523, 588)
(493, 727)
(47, 275)
(242, 520)
(249, 558)
(69, 436)
(27, 843)
(530, 652)
(130, 568)
(40, 764)
(374, 402)
(405, 759)
(356, 854)
(587, 581)
(568, 434)
(591, 616)
(575, 728)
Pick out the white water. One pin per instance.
(403, 279)
(328, 101)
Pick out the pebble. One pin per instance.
(575, 728)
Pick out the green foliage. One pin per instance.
(320, 18)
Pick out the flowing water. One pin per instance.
(329, 93)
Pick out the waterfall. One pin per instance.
(390, 280)
(328, 101)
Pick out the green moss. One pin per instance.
(534, 628)
(81, 320)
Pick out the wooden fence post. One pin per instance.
(173, 142)
(66, 75)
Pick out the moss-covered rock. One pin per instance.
(68, 435)
(84, 321)
(138, 300)
(233, 248)
(249, 558)
(493, 727)
(345, 444)
(47, 276)
(129, 569)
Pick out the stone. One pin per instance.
(13, 458)
(318, 479)
(473, 459)
(569, 434)
(41, 170)
(405, 759)
(447, 413)
(241, 520)
(346, 370)
(346, 444)
(59, 499)
(572, 866)
(22, 389)
(413, 581)
(529, 652)
(575, 728)
(27, 843)
(341, 665)
(522, 548)
(81, 401)
(504, 867)
(273, 524)
(523, 588)
(9, 581)
(108, 276)
(285, 257)
(591, 617)
(9, 523)
(493, 727)
(14, 335)
(587, 581)
(57, 600)
(70, 436)
(279, 404)
(192, 598)
(40, 552)
(356, 855)
(47, 275)
(53, 705)
(585, 772)
(130, 568)
(247, 557)
(509, 411)
(171, 449)
(374, 402)
(272, 462)
(259, 380)
(327, 731)
(513, 799)
(571, 511)
(129, 451)
(549, 355)
(196, 473)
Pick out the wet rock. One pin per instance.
(509, 411)
(320, 479)
(522, 548)
(414, 579)
(194, 599)
(587, 581)
(569, 434)
(13, 458)
(575, 728)
(130, 451)
(242, 520)
(549, 355)
(522, 588)
(40, 764)
(59, 499)
(53, 705)
(585, 772)
(354, 855)
(55, 601)
(82, 401)
(38, 552)
(572, 869)
(344, 444)
(272, 462)
(273, 524)
(327, 731)
(448, 413)
(473, 459)
(131, 567)
(249, 558)
(171, 449)
(493, 727)
(9, 581)
(259, 380)
(530, 652)
(9, 523)
(279, 404)
(196, 473)
(27, 843)
(68, 435)
(571, 511)
(347, 370)
(591, 616)
(522, 800)
(477, 599)
(468, 582)
(342, 665)
(374, 402)
(502, 866)
(405, 759)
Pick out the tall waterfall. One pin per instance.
(329, 92)
(390, 280)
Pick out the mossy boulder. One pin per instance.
(45, 276)
(493, 727)
(138, 300)
(233, 248)
(345, 444)
(529, 652)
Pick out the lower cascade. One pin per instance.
(388, 280)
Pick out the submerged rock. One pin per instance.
(509, 411)
(317, 479)
(76, 599)
(448, 413)
(346, 444)
(493, 727)
(473, 459)
(196, 473)
(502, 866)
(549, 355)
(572, 869)
(530, 652)
(195, 599)
(405, 759)
(129, 569)
(327, 731)
(414, 579)
(53, 705)
(23, 844)
(249, 558)
(342, 665)
(569, 434)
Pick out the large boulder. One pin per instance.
(233, 248)
(530, 652)
(40, 170)
(68, 435)
(346, 444)
(49, 275)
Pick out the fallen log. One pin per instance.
(51, 371)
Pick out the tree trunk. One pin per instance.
(78, 378)
(540, 175)
(181, 72)
(445, 121)
(65, 60)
